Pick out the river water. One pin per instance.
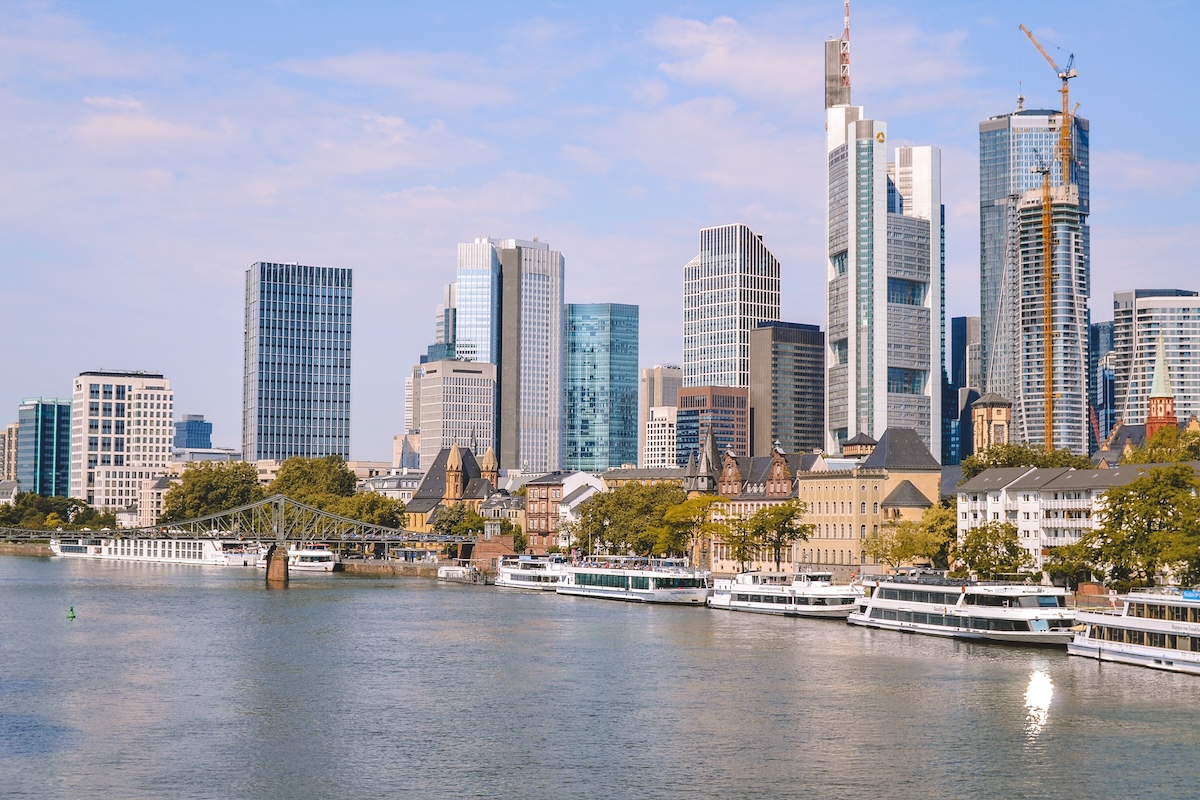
(197, 682)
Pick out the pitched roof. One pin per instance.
(992, 399)
(994, 478)
(860, 438)
(1037, 479)
(901, 448)
(433, 486)
(905, 495)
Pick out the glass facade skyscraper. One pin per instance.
(602, 386)
(1013, 151)
(192, 432)
(44, 447)
(1140, 318)
(296, 395)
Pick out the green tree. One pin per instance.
(371, 508)
(1020, 455)
(316, 482)
(520, 540)
(627, 520)
(1167, 445)
(742, 541)
(905, 541)
(778, 526)
(687, 523)
(34, 512)
(1069, 563)
(994, 549)
(1148, 523)
(458, 519)
(209, 487)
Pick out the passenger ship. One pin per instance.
(806, 594)
(1001, 612)
(214, 552)
(638, 580)
(1157, 628)
(311, 557)
(541, 573)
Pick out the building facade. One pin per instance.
(660, 448)
(602, 386)
(731, 286)
(44, 446)
(193, 433)
(458, 400)
(1141, 318)
(787, 388)
(723, 411)
(885, 273)
(660, 387)
(296, 391)
(1015, 150)
(8, 452)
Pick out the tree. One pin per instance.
(1167, 445)
(1069, 563)
(741, 540)
(314, 481)
(687, 523)
(778, 526)
(34, 512)
(994, 549)
(627, 520)
(458, 519)
(1020, 455)
(904, 541)
(1148, 523)
(520, 540)
(371, 508)
(209, 487)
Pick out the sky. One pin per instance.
(150, 152)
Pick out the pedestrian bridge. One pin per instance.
(276, 519)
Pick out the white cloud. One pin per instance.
(124, 102)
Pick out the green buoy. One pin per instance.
(71, 613)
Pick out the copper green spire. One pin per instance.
(1162, 377)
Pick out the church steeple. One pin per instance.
(1162, 400)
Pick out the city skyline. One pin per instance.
(159, 152)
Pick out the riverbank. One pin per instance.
(24, 549)
(389, 568)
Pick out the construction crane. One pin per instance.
(1065, 124)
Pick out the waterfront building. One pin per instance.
(296, 382)
(787, 387)
(1014, 150)
(885, 272)
(121, 433)
(620, 476)
(722, 411)
(8, 492)
(8, 452)
(398, 484)
(1141, 319)
(731, 286)
(661, 442)
(544, 497)
(453, 477)
(44, 446)
(192, 433)
(659, 388)
(602, 386)
(458, 400)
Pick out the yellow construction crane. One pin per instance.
(1065, 124)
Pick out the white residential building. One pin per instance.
(1140, 319)
(661, 435)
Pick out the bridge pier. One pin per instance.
(277, 565)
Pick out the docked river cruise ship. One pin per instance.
(1157, 628)
(541, 573)
(1003, 612)
(806, 594)
(638, 580)
(171, 551)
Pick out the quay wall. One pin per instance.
(389, 568)
(25, 549)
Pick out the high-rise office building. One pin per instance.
(296, 392)
(724, 410)
(1141, 318)
(659, 387)
(458, 402)
(885, 274)
(193, 432)
(964, 377)
(660, 447)
(1101, 382)
(44, 446)
(8, 452)
(602, 386)
(966, 352)
(728, 288)
(121, 433)
(787, 388)
(1015, 150)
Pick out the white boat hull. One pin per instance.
(1136, 655)
(1058, 637)
(694, 597)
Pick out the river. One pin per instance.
(199, 682)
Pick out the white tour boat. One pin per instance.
(1158, 628)
(638, 580)
(541, 573)
(805, 594)
(1002, 612)
(109, 547)
(462, 572)
(310, 557)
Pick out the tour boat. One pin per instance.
(638, 580)
(463, 572)
(1157, 628)
(806, 594)
(541, 573)
(1002, 612)
(109, 547)
(311, 557)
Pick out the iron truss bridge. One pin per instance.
(275, 519)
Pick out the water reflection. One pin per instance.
(1038, 695)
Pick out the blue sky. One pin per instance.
(152, 151)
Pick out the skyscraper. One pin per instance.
(1015, 150)
(659, 387)
(8, 452)
(458, 403)
(296, 391)
(602, 386)
(787, 387)
(885, 275)
(723, 410)
(193, 432)
(44, 446)
(728, 288)
(1141, 318)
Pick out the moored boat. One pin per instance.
(805, 594)
(1156, 628)
(1016, 613)
(540, 573)
(463, 572)
(637, 580)
(310, 557)
(213, 552)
